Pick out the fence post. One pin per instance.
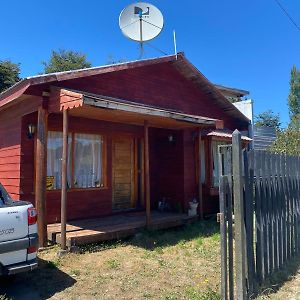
(223, 228)
(240, 257)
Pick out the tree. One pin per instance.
(294, 99)
(268, 118)
(9, 74)
(65, 60)
(287, 142)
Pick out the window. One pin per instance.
(4, 197)
(88, 161)
(215, 156)
(54, 156)
(84, 163)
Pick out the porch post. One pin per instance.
(200, 195)
(40, 174)
(147, 173)
(64, 183)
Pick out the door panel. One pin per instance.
(123, 173)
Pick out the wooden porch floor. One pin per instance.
(113, 227)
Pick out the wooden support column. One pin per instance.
(200, 194)
(40, 174)
(239, 223)
(64, 180)
(147, 173)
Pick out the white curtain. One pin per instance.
(54, 158)
(216, 171)
(87, 161)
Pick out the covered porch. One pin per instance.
(115, 227)
(142, 150)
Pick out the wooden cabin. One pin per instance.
(118, 138)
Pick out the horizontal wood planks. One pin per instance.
(172, 173)
(10, 154)
(158, 85)
(114, 227)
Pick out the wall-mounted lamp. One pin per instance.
(30, 131)
(171, 138)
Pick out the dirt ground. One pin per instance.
(177, 264)
(173, 264)
(285, 285)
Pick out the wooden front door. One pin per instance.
(123, 173)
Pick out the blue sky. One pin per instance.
(245, 44)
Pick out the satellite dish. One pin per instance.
(141, 22)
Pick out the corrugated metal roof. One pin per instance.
(223, 133)
(263, 137)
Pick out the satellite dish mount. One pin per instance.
(141, 22)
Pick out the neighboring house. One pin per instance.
(133, 133)
(245, 106)
(232, 94)
(263, 137)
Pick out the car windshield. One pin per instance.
(4, 197)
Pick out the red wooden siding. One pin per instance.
(81, 203)
(189, 167)
(172, 165)
(159, 85)
(10, 153)
(171, 168)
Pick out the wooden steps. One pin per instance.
(88, 231)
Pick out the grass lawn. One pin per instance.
(182, 263)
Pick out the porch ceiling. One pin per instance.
(122, 111)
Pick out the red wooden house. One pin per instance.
(138, 133)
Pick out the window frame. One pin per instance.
(103, 184)
(218, 141)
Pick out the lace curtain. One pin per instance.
(87, 161)
(216, 172)
(54, 157)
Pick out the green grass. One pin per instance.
(113, 264)
(192, 293)
(160, 239)
(181, 263)
(207, 294)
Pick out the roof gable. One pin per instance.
(161, 66)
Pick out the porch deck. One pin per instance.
(114, 227)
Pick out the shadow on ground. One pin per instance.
(281, 277)
(39, 284)
(152, 239)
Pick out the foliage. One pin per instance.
(268, 118)
(294, 98)
(287, 142)
(9, 74)
(65, 60)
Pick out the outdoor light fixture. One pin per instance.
(31, 131)
(171, 138)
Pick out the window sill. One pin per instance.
(79, 190)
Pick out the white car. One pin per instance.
(18, 235)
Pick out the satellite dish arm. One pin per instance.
(141, 35)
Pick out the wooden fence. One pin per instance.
(259, 216)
